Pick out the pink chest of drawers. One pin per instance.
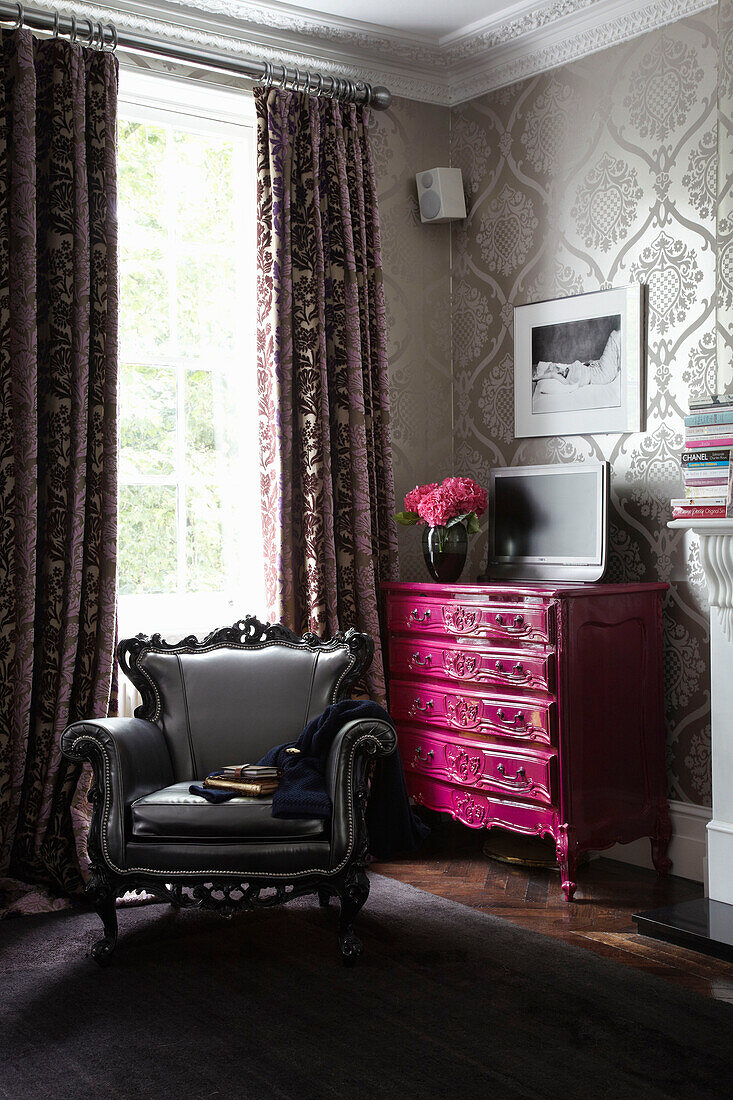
(536, 708)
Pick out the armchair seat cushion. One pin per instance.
(174, 814)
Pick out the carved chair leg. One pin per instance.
(353, 896)
(103, 897)
(660, 841)
(324, 897)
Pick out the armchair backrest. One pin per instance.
(243, 689)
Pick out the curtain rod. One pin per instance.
(105, 36)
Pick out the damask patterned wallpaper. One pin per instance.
(596, 175)
(407, 139)
(724, 308)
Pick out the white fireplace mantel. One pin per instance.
(716, 555)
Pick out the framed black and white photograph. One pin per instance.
(579, 364)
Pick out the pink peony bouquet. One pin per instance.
(455, 500)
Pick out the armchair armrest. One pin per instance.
(130, 758)
(358, 742)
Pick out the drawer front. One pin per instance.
(496, 620)
(434, 658)
(478, 810)
(501, 771)
(502, 716)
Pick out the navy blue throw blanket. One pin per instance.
(393, 827)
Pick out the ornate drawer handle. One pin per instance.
(427, 758)
(518, 669)
(428, 705)
(520, 777)
(415, 614)
(517, 720)
(517, 622)
(424, 663)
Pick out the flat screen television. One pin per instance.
(548, 523)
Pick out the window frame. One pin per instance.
(211, 110)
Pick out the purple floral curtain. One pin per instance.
(328, 496)
(58, 445)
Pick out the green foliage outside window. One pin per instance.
(178, 326)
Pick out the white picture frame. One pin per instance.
(579, 364)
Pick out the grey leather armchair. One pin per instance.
(224, 700)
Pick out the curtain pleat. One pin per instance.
(58, 453)
(327, 486)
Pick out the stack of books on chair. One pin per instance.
(248, 780)
(706, 460)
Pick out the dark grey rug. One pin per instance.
(446, 1002)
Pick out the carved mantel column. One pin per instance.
(716, 554)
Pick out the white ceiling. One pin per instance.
(424, 20)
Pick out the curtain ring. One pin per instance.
(55, 32)
(72, 32)
(113, 29)
(308, 82)
(266, 73)
(319, 88)
(283, 83)
(91, 33)
(21, 18)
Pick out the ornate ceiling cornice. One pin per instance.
(530, 38)
(584, 34)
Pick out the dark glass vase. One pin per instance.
(445, 550)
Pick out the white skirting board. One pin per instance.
(687, 849)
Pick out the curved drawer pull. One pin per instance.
(518, 669)
(424, 663)
(520, 777)
(418, 618)
(517, 623)
(417, 703)
(427, 758)
(517, 720)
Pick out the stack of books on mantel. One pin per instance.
(706, 460)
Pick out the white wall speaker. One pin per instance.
(440, 195)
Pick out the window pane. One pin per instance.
(189, 479)
(201, 450)
(147, 538)
(147, 420)
(206, 203)
(144, 325)
(142, 151)
(207, 309)
(204, 559)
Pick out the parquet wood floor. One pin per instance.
(452, 864)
